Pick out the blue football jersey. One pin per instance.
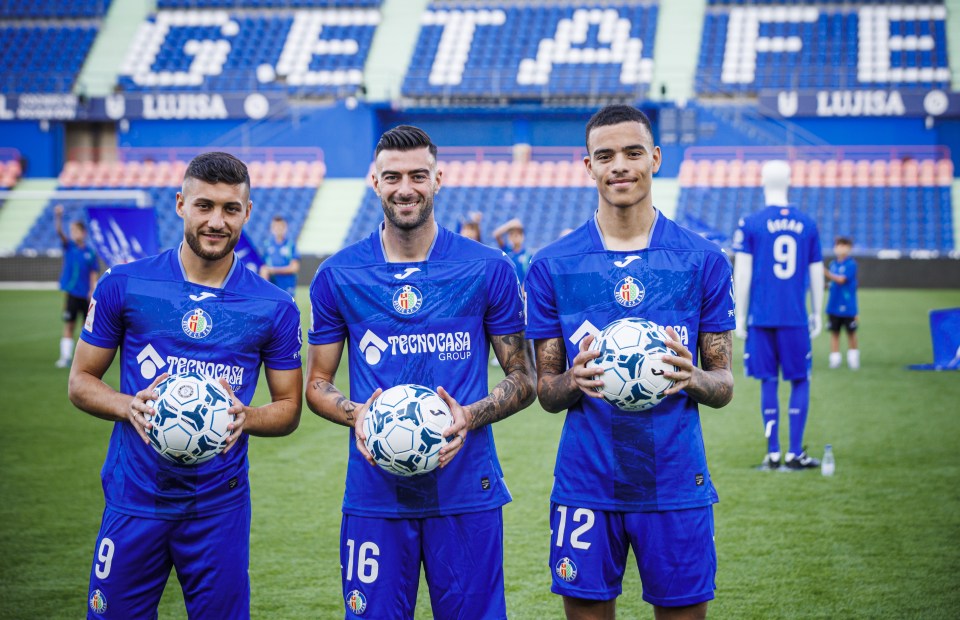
(78, 264)
(784, 243)
(163, 323)
(843, 297)
(616, 460)
(426, 323)
(281, 255)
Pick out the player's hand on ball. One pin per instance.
(682, 358)
(239, 412)
(587, 378)
(141, 408)
(456, 434)
(358, 426)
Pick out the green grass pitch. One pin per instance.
(880, 539)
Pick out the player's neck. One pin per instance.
(408, 245)
(204, 272)
(626, 229)
(776, 198)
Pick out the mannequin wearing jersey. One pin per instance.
(778, 258)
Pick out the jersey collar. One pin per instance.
(600, 244)
(183, 272)
(381, 252)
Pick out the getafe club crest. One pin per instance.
(197, 324)
(98, 602)
(566, 569)
(629, 292)
(407, 299)
(356, 602)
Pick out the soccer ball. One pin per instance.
(190, 426)
(630, 355)
(404, 429)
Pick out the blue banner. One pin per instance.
(123, 234)
(860, 103)
(248, 254)
(147, 106)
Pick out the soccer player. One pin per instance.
(416, 303)
(778, 258)
(193, 308)
(510, 237)
(282, 261)
(628, 479)
(842, 303)
(77, 279)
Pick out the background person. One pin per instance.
(281, 261)
(78, 278)
(842, 311)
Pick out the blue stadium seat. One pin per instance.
(537, 51)
(745, 47)
(317, 52)
(42, 59)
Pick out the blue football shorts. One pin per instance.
(462, 558)
(134, 555)
(771, 349)
(675, 553)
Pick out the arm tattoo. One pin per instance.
(516, 391)
(344, 405)
(554, 387)
(715, 383)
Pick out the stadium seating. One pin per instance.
(266, 4)
(318, 52)
(745, 48)
(882, 204)
(43, 58)
(548, 196)
(55, 9)
(533, 51)
(282, 188)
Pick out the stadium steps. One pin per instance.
(333, 209)
(675, 56)
(953, 50)
(392, 48)
(666, 195)
(25, 203)
(955, 200)
(120, 25)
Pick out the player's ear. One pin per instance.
(657, 159)
(588, 164)
(180, 204)
(249, 209)
(437, 181)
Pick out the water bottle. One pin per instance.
(827, 464)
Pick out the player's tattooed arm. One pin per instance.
(323, 397)
(516, 391)
(559, 387)
(714, 383)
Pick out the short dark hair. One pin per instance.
(278, 218)
(217, 167)
(405, 138)
(841, 240)
(615, 114)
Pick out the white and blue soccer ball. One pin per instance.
(404, 428)
(190, 424)
(631, 352)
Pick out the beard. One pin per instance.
(194, 242)
(390, 212)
